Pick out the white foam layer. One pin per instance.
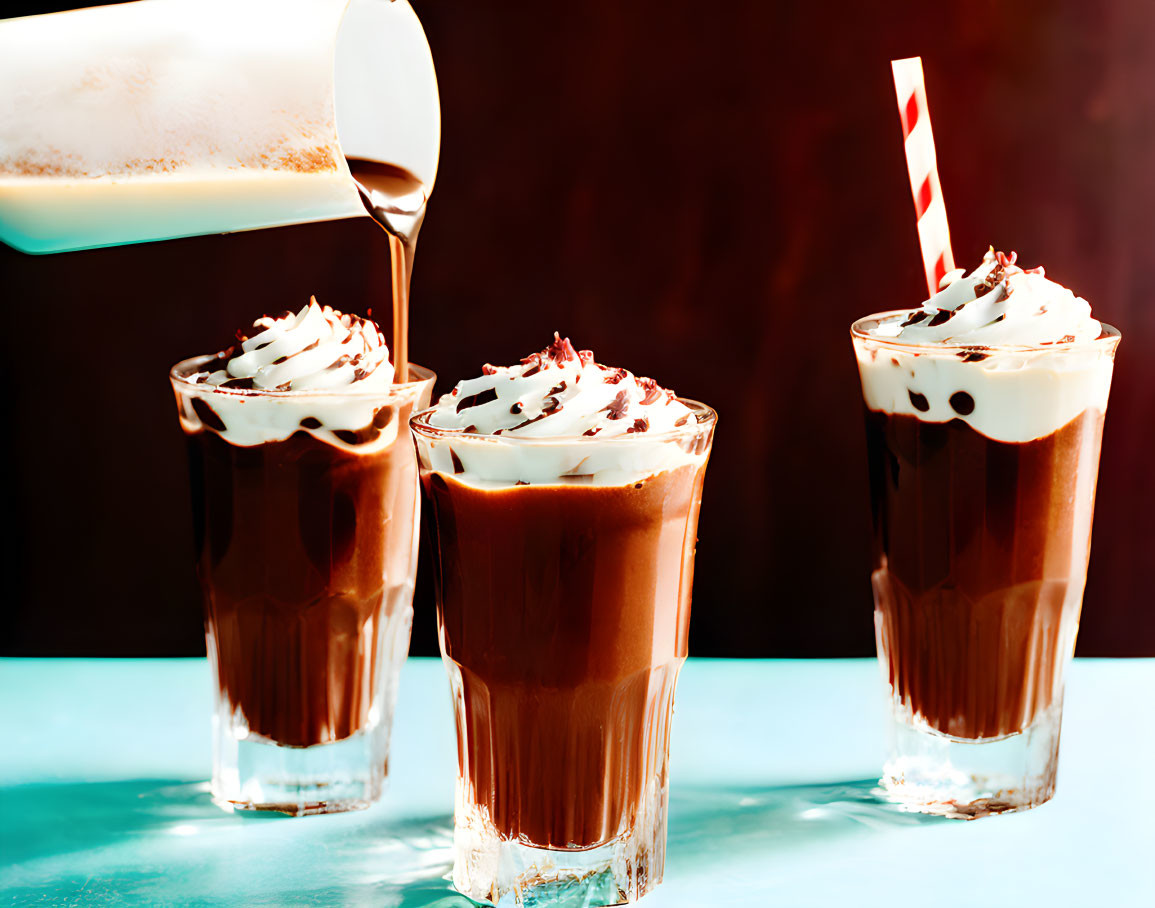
(1015, 395)
(493, 463)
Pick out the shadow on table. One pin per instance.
(720, 823)
(147, 840)
(51, 820)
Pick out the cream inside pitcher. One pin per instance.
(167, 118)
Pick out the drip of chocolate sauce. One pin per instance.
(395, 199)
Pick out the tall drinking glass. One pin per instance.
(983, 463)
(306, 553)
(563, 607)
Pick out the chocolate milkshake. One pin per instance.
(984, 415)
(304, 487)
(562, 503)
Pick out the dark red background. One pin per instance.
(704, 193)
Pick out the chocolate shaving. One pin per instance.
(458, 466)
(207, 415)
(593, 431)
(916, 318)
(516, 408)
(683, 420)
(310, 422)
(560, 351)
(476, 400)
(618, 406)
(522, 425)
(383, 417)
(653, 391)
(940, 317)
(641, 424)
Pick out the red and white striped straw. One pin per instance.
(921, 163)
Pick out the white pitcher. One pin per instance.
(167, 118)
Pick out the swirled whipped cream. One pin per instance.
(997, 303)
(1007, 351)
(561, 417)
(315, 349)
(318, 371)
(559, 392)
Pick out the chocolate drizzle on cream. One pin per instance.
(317, 348)
(318, 371)
(996, 304)
(559, 392)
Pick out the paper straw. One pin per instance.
(922, 165)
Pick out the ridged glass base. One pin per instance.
(509, 873)
(931, 773)
(256, 774)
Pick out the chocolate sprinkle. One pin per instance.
(963, 403)
(918, 401)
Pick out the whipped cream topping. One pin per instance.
(1007, 351)
(318, 348)
(996, 304)
(559, 392)
(318, 371)
(559, 417)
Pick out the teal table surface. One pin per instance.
(104, 799)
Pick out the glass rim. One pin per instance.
(1109, 336)
(705, 418)
(178, 376)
